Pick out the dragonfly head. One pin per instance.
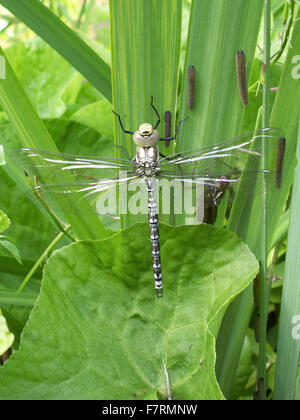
(146, 136)
(145, 129)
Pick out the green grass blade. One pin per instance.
(65, 41)
(281, 228)
(231, 338)
(24, 299)
(149, 67)
(8, 266)
(288, 339)
(33, 134)
(218, 30)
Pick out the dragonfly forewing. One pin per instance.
(247, 143)
(65, 181)
(226, 166)
(48, 164)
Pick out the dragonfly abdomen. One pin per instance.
(154, 236)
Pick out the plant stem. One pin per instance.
(39, 261)
(59, 223)
(264, 295)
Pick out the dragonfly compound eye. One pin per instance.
(146, 140)
(145, 129)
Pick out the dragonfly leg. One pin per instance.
(156, 112)
(120, 121)
(170, 158)
(178, 127)
(124, 150)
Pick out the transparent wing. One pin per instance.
(66, 180)
(213, 176)
(226, 163)
(212, 190)
(47, 164)
(102, 196)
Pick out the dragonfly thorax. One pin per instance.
(146, 158)
(146, 136)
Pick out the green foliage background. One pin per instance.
(90, 321)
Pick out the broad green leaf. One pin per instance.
(10, 248)
(44, 75)
(88, 94)
(103, 122)
(64, 40)
(82, 137)
(6, 337)
(71, 90)
(4, 222)
(101, 333)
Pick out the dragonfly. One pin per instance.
(217, 170)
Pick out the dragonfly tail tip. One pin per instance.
(159, 293)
